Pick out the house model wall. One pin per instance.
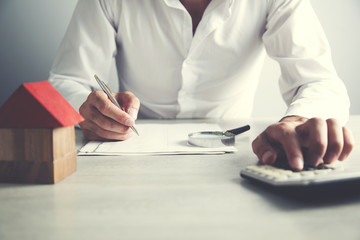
(37, 136)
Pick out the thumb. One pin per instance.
(129, 102)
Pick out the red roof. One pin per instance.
(37, 105)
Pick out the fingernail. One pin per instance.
(133, 112)
(129, 122)
(298, 163)
(267, 157)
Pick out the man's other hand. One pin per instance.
(104, 120)
(300, 140)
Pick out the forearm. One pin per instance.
(88, 47)
(309, 83)
(73, 91)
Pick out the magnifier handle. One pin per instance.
(239, 130)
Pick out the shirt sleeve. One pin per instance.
(308, 83)
(88, 48)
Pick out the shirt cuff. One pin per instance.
(77, 100)
(319, 110)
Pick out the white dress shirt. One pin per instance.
(211, 74)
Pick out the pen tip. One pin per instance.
(134, 129)
(137, 133)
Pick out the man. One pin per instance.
(202, 59)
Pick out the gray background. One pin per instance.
(30, 33)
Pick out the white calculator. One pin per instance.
(284, 176)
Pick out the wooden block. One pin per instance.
(64, 152)
(7, 143)
(64, 166)
(26, 144)
(37, 144)
(63, 141)
(37, 155)
(26, 172)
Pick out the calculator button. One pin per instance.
(322, 171)
(252, 168)
(271, 175)
(295, 175)
(281, 177)
(266, 167)
(336, 166)
(261, 171)
(285, 172)
(307, 173)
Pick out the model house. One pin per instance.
(37, 136)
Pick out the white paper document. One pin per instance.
(157, 139)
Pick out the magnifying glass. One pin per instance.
(212, 139)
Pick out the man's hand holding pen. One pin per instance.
(104, 120)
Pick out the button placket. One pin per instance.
(216, 15)
(186, 102)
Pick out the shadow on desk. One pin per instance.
(306, 197)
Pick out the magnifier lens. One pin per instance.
(212, 139)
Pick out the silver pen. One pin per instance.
(108, 92)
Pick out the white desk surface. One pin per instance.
(175, 197)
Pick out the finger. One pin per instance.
(101, 102)
(93, 132)
(105, 122)
(286, 136)
(129, 102)
(90, 113)
(264, 150)
(315, 130)
(293, 153)
(349, 144)
(335, 141)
